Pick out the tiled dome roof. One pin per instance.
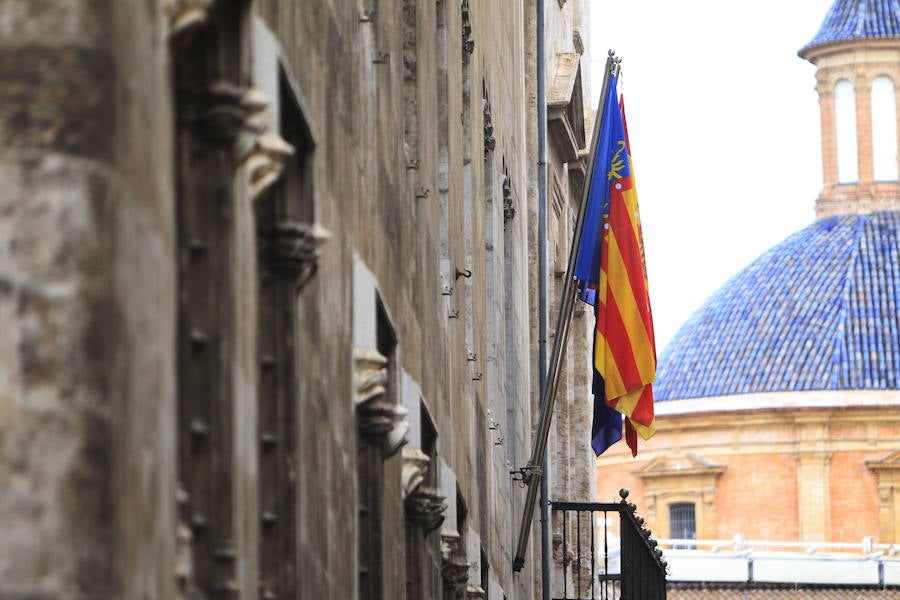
(858, 19)
(816, 312)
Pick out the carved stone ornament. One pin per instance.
(292, 248)
(426, 506)
(215, 112)
(455, 575)
(468, 43)
(376, 415)
(415, 465)
(490, 142)
(186, 16)
(475, 591)
(370, 375)
(396, 437)
(380, 421)
(260, 147)
(509, 206)
(454, 568)
(265, 162)
(449, 545)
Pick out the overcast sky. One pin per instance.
(723, 119)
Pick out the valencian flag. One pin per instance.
(612, 274)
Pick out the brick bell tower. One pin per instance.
(857, 55)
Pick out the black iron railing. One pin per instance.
(605, 552)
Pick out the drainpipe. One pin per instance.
(542, 282)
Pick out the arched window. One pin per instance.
(884, 129)
(845, 130)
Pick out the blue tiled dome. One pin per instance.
(858, 19)
(816, 312)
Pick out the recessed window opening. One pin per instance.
(682, 523)
(845, 131)
(884, 129)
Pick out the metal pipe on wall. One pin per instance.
(540, 59)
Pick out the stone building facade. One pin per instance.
(823, 470)
(269, 290)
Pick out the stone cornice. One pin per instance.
(689, 465)
(891, 462)
(790, 431)
(780, 401)
(856, 51)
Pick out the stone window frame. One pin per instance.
(278, 175)
(382, 424)
(887, 470)
(683, 479)
(423, 500)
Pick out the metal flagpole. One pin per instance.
(533, 471)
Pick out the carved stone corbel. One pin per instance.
(415, 465)
(468, 43)
(260, 147)
(214, 111)
(509, 206)
(449, 545)
(455, 575)
(475, 591)
(454, 568)
(490, 142)
(370, 384)
(186, 16)
(381, 422)
(266, 161)
(426, 506)
(370, 375)
(292, 248)
(396, 437)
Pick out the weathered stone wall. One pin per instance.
(420, 116)
(400, 177)
(86, 378)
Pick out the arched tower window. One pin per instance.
(884, 129)
(845, 130)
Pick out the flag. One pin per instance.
(606, 428)
(587, 263)
(612, 276)
(624, 347)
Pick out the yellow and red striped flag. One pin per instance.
(624, 348)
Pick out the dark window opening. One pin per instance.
(371, 477)
(682, 523)
(278, 421)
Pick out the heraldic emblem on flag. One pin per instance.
(612, 276)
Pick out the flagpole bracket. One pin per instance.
(526, 474)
